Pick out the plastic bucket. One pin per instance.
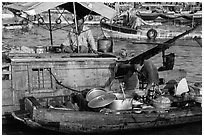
(105, 45)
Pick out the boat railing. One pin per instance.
(61, 55)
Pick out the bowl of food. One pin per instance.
(162, 102)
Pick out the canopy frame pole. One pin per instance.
(163, 57)
(50, 29)
(76, 25)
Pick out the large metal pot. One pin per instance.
(121, 96)
(105, 45)
(125, 104)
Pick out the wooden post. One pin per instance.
(163, 56)
(76, 25)
(50, 27)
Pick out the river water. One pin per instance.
(188, 57)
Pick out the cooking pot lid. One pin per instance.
(95, 93)
(102, 100)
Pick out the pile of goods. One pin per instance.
(101, 100)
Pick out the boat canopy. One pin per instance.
(82, 8)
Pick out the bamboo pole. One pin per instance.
(50, 27)
(76, 25)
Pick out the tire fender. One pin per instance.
(152, 34)
(90, 17)
(103, 20)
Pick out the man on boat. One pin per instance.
(145, 72)
(135, 21)
(82, 35)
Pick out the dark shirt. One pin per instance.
(149, 73)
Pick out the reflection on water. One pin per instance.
(188, 57)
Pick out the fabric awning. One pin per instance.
(82, 8)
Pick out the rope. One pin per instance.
(102, 29)
(60, 83)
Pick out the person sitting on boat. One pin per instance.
(86, 40)
(135, 21)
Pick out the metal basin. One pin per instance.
(93, 93)
(125, 104)
(102, 100)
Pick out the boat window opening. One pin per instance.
(5, 76)
(6, 73)
(41, 78)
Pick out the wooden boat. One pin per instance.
(150, 31)
(33, 81)
(83, 122)
(31, 88)
(144, 33)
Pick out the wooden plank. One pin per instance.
(7, 94)
(6, 72)
(90, 121)
(21, 80)
(60, 55)
(5, 65)
(49, 93)
(53, 115)
(24, 60)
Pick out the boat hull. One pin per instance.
(83, 122)
(119, 32)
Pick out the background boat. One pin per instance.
(162, 32)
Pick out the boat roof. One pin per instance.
(82, 8)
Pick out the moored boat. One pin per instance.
(143, 33)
